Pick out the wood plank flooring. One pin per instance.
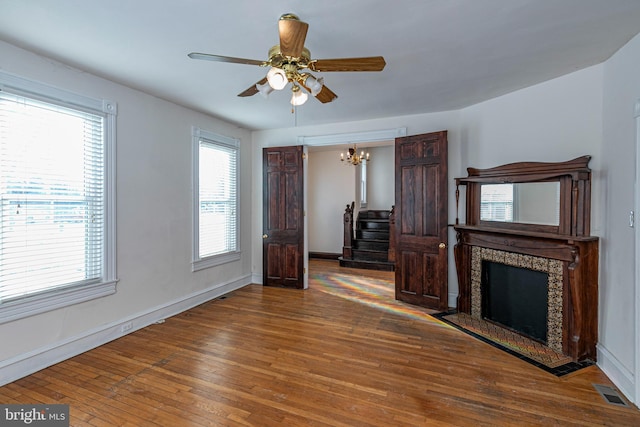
(341, 353)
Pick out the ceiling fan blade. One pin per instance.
(325, 95)
(220, 58)
(253, 89)
(293, 33)
(369, 63)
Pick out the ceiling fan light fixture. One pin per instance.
(314, 85)
(277, 78)
(298, 97)
(264, 89)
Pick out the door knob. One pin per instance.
(442, 245)
(264, 236)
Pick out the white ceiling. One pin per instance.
(441, 54)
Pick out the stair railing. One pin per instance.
(347, 247)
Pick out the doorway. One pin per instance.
(332, 184)
(422, 166)
(336, 184)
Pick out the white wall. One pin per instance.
(331, 188)
(153, 222)
(618, 258)
(557, 120)
(381, 178)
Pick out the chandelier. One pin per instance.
(352, 157)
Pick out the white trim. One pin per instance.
(197, 135)
(636, 376)
(212, 136)
(33, 361)
(353, 138)
(110, 190)
(212, 261)
(65, 296)
(54, 299)
(257, 278)
(615, 371)
(44, 92)
(305, 209)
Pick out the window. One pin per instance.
(363, 183)
(216, 207)
(497, 202)
(57, 227)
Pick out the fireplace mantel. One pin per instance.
(569, 247)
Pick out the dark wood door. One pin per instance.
(283, 217)
(421, 220)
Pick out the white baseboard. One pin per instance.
(618, 374)
(453, 300)
(28, 363)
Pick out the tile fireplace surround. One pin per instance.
(572, 265)
(552, 267)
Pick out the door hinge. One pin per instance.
(304, 156)
(304, 270)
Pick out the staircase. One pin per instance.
(369, 248)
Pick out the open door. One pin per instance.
(421, 220)
(283, 217)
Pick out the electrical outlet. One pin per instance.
(126, 327)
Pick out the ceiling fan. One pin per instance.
(289, 60)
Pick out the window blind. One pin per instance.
(497, 202)
(52, 196)
(218, 201)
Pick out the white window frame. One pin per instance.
(363, 183)
(197, 135)
(69, 295)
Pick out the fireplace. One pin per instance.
(516, 298)
(532, 273)
(520, 292)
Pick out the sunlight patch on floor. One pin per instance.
(375, 293)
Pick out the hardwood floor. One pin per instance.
(341, 353)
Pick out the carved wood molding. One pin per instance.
(530, 171)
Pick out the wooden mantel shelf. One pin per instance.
(524, 233)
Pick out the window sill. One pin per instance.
(215, 260)
(49, 301)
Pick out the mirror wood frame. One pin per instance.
(574, 177)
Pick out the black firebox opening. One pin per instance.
(516, 298)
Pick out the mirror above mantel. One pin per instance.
(521, 202)
(553, 198)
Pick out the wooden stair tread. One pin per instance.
(370, 246)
